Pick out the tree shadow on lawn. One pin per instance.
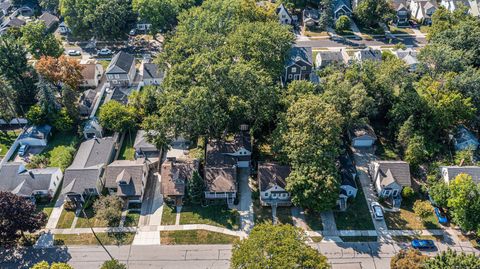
(26, 257)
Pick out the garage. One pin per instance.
(362, 136)
(362, 143)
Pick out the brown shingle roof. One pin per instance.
(175, 174)
(270, 174)
(88, 71)
(221, 179)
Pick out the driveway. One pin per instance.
(362, 159)
(245, 205)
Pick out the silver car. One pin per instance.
(377, 211)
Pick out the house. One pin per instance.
(221, 184)
(120, 94)
(11, 22)
(299, 64)
(175, 174)
(87, 102)
(348, 185)
(63, 28)
(464, 139)
(235, 152)
(409, 56)
(341, 7)
(5, 8)
(127, 179)
(449, 173)
(310, 17)
(422, 10)
(50, 21)
(367, 54)
(152, 75)
(326, 58)
(390, 177)
(92, 129)
(143, 148)
(91, 74)
(35, 136)
(284, 16)
(143, 26)
(362, 136)
(15, 178)
(473, 6)
(272, 183)
(401, 12)
(179, 148)
(83, 177)
(121, 70)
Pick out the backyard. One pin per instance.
(357, 216)
(127, 151)
(6, 140)
(216, 215)
(197, 237)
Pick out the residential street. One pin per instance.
(327, 43)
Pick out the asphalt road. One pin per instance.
(341, 255)
(327, 43)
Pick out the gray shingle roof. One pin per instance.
(121, 63)
(270, 174)
(218, 150)
(130, 172)
(15, 178)
(221, 179)
(141, 143)
(454, 171)
(296, 54)
(48, 19)
(151, 71)
(398, 171)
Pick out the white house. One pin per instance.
(326, 58)
(121, 70)
(367, 54)
(35, 136)
(151, 74)
(272, 183)
(91, 74)
(422, 10)
(362, 136)
(15, 178)
(449, 173)
(472, 5)
(63, 28)
(284, 16)
(390, 177)
(409, 57)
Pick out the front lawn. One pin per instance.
(407, 220)
(104, 64)
(90, 219)
(132, 219)
(409, 238)
(314, 221)
(195, 237)
(169, 215)
(359, 238)
(316, 239)
(6, 140)
(402, 31)
(66, 219)
(216, 215)
(127, 151)
(314, 32)
(371, 30)
(424, 29)
(89, 239)
(357, 216)
(261, 213)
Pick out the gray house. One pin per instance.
(93, 129)
(35, 135)
(15, 178)
(121, 70)
(449, 173)
(342, 7)
(348, 185)
(143, 148)
(367, 54)
(284, 16)
(390, 177)
(299, 64)
(402, 12)
(83, 177)
(152, 75)
(49, 20)
(127, 179)
(326, 58)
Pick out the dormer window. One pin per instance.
(122, 183)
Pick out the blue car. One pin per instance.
(440, 216)
(423, 244)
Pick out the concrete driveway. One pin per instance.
(362, 159)
(245, 205)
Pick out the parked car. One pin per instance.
(133, 32)
(23, 150)
(442, 218)
(422, 244)
(74, 53)
(104, 52)
(377, 211)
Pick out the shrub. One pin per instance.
(423, 209)
(408, 193)
(113, 264)
(37, 161)
(342, 24)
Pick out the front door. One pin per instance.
(296, 77)
(395, 193)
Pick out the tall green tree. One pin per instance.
(464, 202)
(38, 42)
(116, 117)
(195, 189)
(161, 14)
(452, 259)
(371, 12)
(276, 246)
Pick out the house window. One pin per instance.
(117, 76)
(283, 16)
(294, 69)
(267, 194)
(290, 76)
(304, 68)
(274, 195)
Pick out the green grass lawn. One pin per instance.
(83, 222)
(196, 237)
(316, 239)
(89, 239)
(217, 215)
(359, 238)
(261, 213)
(284, 215)
(6, 140)
(357, 216)
(407, 220)
(62, 139)
(346, 33)
(314, 221)
(104, 64)
(398, 30)
(424, 29)
(132, 219)
(127, 151)
(66, 219)
(169, 215)
(314, 32)
(371, 30)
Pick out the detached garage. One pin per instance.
(362, 136)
